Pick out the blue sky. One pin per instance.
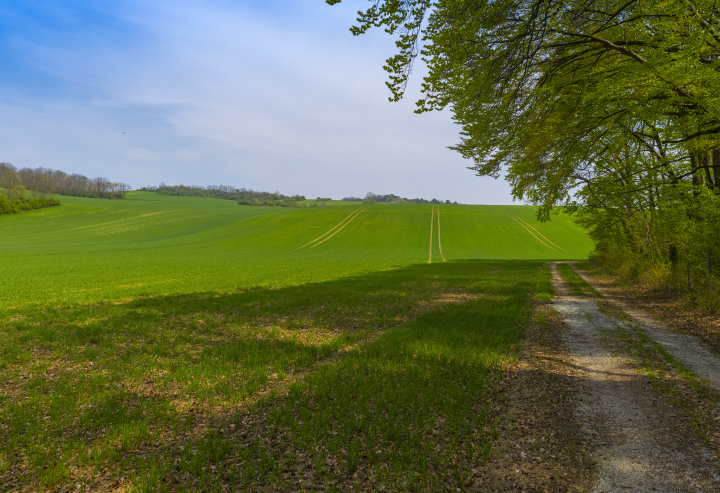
(271, 95)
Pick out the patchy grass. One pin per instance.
(542, 445)
(381, 379)
(544, 290)
(576, 283)
(191, 344)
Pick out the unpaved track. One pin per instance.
(685, 348)
(639, 449)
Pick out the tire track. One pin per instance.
(439, 242)
(336, 232)
(535, 236)
(278, 218)
(358, 211)
(539, 233)
(432, 218)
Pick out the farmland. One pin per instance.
(91, 250)
(193, 344)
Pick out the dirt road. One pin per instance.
(641, 449)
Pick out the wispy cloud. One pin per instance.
(271, 95)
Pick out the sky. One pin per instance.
(269, 95)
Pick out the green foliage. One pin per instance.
(242, 195)
(25, 204)
(43, 181)
(609, 109)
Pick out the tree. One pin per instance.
(10, 182)
(538, 84)
(607, 108)
(123, 189)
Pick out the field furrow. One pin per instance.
(343, 226)
(533, 234)
(539, 233)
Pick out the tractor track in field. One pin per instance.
(336, 232)
(523, 221)
(278, 218)
(439, 241)
(432, 222)
(340, 225)
(640, 446)
(517, 220)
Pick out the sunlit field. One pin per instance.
(183, 344)
(93, 250)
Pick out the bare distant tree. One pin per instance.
(123, 188)
(371, 197)
(4, 165)
(10, 182)
(28, 179)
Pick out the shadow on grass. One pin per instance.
(149, 388)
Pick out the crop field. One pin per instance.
(184, 344)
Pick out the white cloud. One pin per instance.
(214, 92)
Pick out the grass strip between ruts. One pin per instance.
(576, 283)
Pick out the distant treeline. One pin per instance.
(371, 198)
(40, 182)
(243, 196)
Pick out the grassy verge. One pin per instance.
(205, 391)
(576, 283)
(544, 290)
(541, 445)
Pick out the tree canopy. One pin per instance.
(611, 109)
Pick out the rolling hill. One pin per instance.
(89, 250)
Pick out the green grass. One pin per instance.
(576, 283)
(88, 250)
(140, 339)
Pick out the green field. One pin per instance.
(91, 250)
(185, 344)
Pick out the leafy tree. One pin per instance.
(607, 108)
